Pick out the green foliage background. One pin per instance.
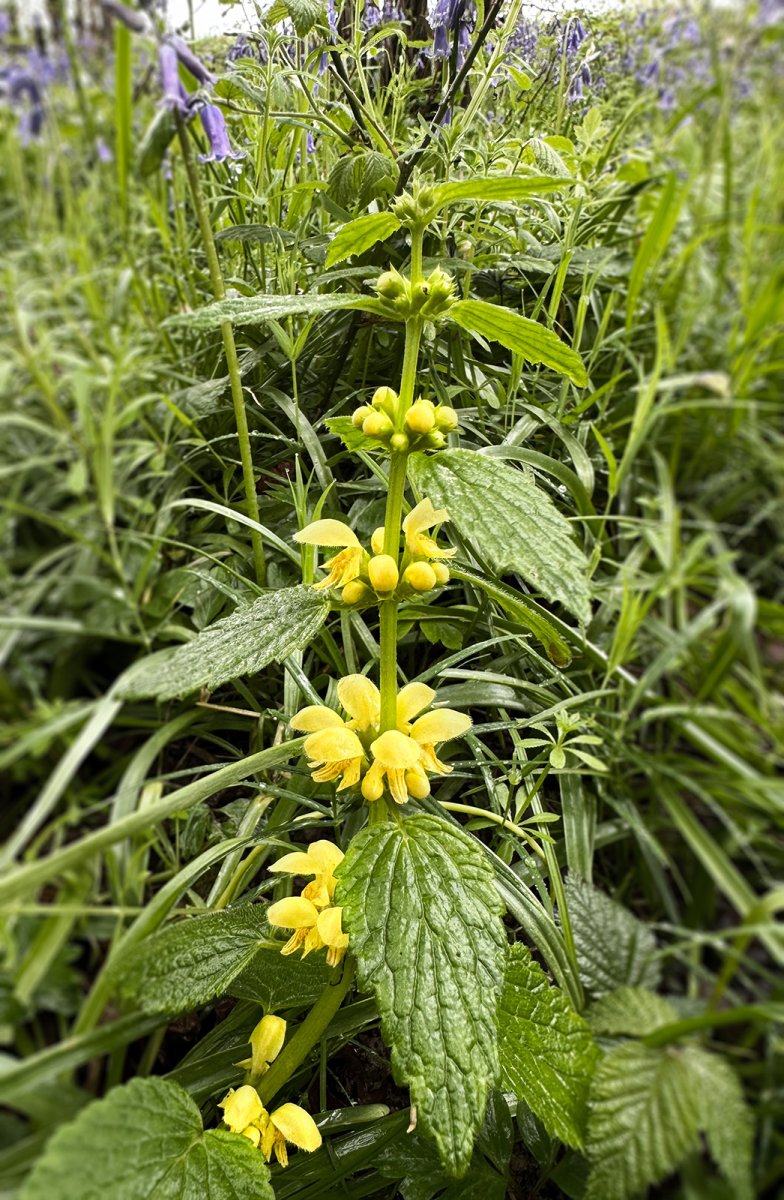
(638, 757)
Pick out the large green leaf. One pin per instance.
(202, 957)
(500, 187)
(546, 1050)
(424, 921)
(513, 523)
(644, 1118)
(359, 235)
(613, 948)
(725, 1119)
(268, 630)
(257, 310)
(535, 342)
(145, 1141)
(633, 1011)
(304, 14)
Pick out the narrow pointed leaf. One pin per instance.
(268, 630)
(424, 922)
(359, 235)
(501, 187)
(257, 310)
(534, 342)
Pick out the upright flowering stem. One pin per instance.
(308, 1034)
(394, 509)
(230, 350)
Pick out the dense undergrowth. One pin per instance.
(622, 777)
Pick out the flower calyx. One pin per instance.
(244, 1113)
(428, 299)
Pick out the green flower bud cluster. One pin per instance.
(429, 298)
(416, 208)
(422, 427)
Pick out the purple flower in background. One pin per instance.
(573, 37)
(24, 92)
(241, 49)
(218, 135)
(135, 21)
(192, 63)
(452, 17)
(103, 151)
(175, 96)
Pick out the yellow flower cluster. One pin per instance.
(422, 426)
(360, 574)
(313, 917)
(243, 1112)
(352, 749)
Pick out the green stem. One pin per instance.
(308, 1034)
(230, 350)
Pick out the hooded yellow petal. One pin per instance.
(267, 1041)
(325, 855)
(327, 533)
(361, 700)
(295, 912)
(333, 745)
(241, 1108)
(315, 717)
(296, 863)
(297, 1126)
(411, 700)
(424, 516)
(441, 725)
(394, 751)
(330, 927)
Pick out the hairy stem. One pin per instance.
(308, 1034)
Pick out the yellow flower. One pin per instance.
(423, 517)
(313, 930)
(335, 753)
(301, 915)
(346, 565)
(241, 1108)
(441, 725)
(333, 746)
(319, 860)
(330, 930)
(402, 757)
(289, 1123)
(244, 1113)
(394, 754)
(266, 1043)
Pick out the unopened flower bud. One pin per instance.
(440, 284)
(355, 592)
(446, 417)
(441, 573)
(465, 248)
(385, 398)
(391, 285)
(377, 425)
(399, 443)
(420, 576)
(372, 789)
(420, 417)
(383, 573)
(359, 414)
(417, 786)
(420, 294)
(377, 540)
(435, 439)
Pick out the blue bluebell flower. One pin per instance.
(214, 124)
